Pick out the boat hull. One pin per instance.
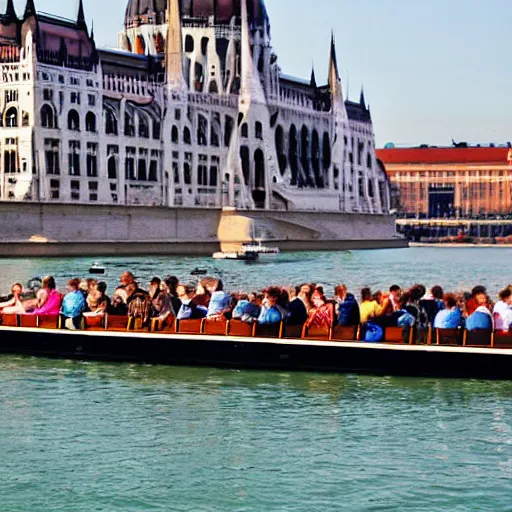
(234, 352)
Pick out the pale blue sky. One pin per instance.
(432, 69)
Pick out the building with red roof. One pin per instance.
(457, 181)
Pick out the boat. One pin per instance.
(218, 344)
(249, 251)
(97, 269)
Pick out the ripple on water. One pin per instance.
(98, 437)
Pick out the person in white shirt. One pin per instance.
(503, 311)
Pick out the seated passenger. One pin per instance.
(119, 306)
(480, 319)
(369, 309)
(503, 311)
(298, 307)
(432, 303)
(14, 306)
(73, 305)
(189, 309)
(139, 305)
(126, 279)
(160, 300)
(450, 317)
(395, 296)
(97, 301)
(477, 299)
(248, 310)
(322, 312)
(220, 301)
(49, 300)
(271, 313)
(171, 285)
(347, 308)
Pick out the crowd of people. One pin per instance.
(306, 304)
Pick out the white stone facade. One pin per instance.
(215, 125)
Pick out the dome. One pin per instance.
(142, 12)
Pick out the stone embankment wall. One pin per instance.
(32, 229)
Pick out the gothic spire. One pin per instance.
(80, 19)
(251, 88)
(312, 82)
(173, 57)
(334, 75)
(10, 12)
(30, 9)
(362, 100)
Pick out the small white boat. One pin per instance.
(249, 251)
(97, 269)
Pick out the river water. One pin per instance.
(90, 437)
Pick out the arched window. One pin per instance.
(293, 155)
(110, 122)
(326, 156)
(112, 167)
(187, 138)
(143, 127)
(90, 122)
(280, 149)
(159, 43)
(11, 118)
(175, 136)
(129, 126)
(189, 44)
(140, 45)
(245, 131)
(202, 131)
(246, 164)
(315, 159)
(258, 130)
(259, 170)
(48, 118)
(212, 88)
(228, 130)
(305, 151)
(74, 121)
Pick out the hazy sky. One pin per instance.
(432, 70)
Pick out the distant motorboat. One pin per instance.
(96, 269)
(249, 251)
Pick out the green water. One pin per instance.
(96, 437)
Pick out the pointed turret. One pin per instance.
(312, 81)
(251, 88)
(334, 75)
(362, 100)
(30, 9)
(10, 12)
(173, 51)
(80, 19)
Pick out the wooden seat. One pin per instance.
(503, 339)
(267, 331)
(28, 321)
(190, 326)
(48, 321)
(239, 328)
(167, 325)
(94, 323)
(398, 335)
(316, 333)
(345, 333)
(293, 331)
(116, 322)
(478, 338)
(9, 320)
(448, 336)
(215, 326)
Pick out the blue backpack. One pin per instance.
(373, 333)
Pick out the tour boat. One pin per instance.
(234, 344)
(249, 251)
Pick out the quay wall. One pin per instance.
(43, 229)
